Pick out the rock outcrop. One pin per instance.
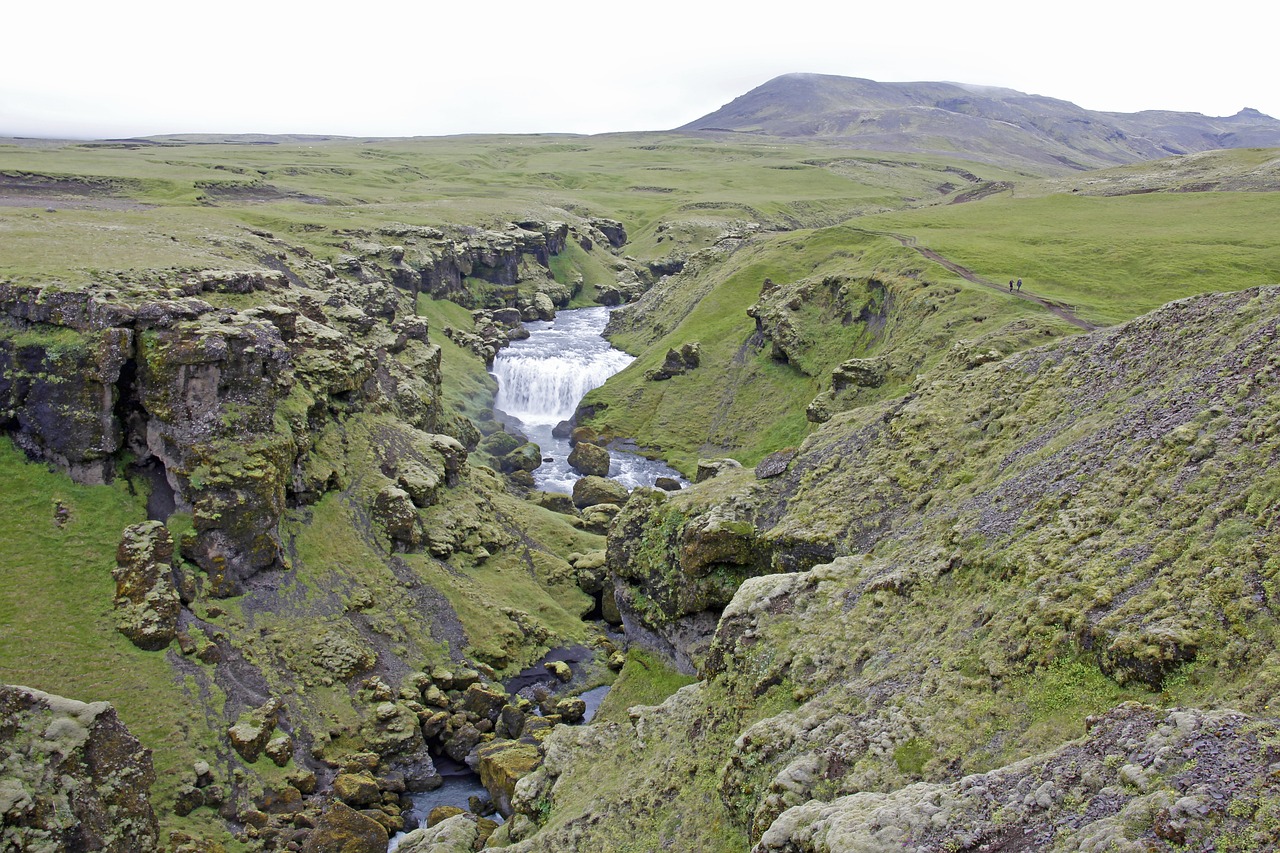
(147, 603)
(72, 777)
(677, 362)
(223, 403)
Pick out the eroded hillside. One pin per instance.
(990, 559)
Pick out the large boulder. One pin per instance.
(526, 457)
(342, 829)
(590, 491)
(598, 518)
(503, 763)
(459, 833)
(590, 459)
(395, 511)
(147, 604)
(860, 373)
(254, 730)
(72, 777)
(485, 701)
(357, 790)
(393, 728)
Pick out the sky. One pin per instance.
(77, 69)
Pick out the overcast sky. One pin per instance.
(388, 68)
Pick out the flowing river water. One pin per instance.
(542, 379)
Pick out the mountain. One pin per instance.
(983, 123)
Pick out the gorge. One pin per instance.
(945, 570)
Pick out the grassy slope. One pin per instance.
(741, 401)
(1111, 259)
(1030, 543)
(57, 627)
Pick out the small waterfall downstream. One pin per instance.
(542, 379)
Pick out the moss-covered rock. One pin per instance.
(357, 790)
(342, 829)
(71, 776)
(589, 491)
(254, 730)
(589, 459)
(501, 765)
(147, 604)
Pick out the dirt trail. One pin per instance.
(1057, 309)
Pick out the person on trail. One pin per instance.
(1019, 285)
(1011, 285)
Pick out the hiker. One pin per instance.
(1019, 285)
(1011, 285)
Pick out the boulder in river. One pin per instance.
(590, 491)
(590, 459)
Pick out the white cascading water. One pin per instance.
(542, 379)
(546, 388)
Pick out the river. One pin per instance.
(541, 380)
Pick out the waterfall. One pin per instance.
(541, 380)
(545, 386)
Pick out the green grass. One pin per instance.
(650, 182)
(741, 401)
(645, 679)
(57, 626)
(468, 388)
(1110, 259)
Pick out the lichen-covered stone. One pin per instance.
(279, 750)
(555, 501)
(457, 833)
(501, 765)
(146, 602)
(589, 491)
(357, 790)
(559, 669)
(484, 701)
(254, 730)
(394, 509)
(71, 777)
(708, 468)
(525, 457)
(597, 518)
(342, 829)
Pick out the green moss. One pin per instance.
(645, 679)
(913, 755)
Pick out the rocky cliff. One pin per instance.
(326, 579)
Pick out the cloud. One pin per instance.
(398, 68)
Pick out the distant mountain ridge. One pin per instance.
(985, 123)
